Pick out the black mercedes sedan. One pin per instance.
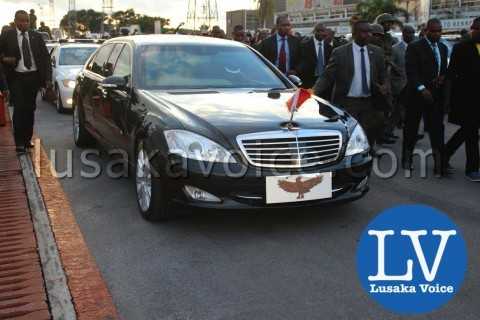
(205, 123)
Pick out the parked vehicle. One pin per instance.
(205, 124)
(67, 61)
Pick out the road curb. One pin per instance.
(60, 300)
(89, 293)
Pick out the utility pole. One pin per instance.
(202, 12)
(107, 10)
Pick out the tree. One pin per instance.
(370, 9)
(266, 9)
(80, 21)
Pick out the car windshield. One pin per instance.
(75, 56)
(177, 66)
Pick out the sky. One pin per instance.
(175, 10)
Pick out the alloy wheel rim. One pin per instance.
(76, 124)
(144, 180)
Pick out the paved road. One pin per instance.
(249, 265)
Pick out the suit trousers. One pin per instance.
(469, 135)
(24, 89)
(371, 120)
(433, 118)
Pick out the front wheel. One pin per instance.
(150, 197)
(59, 103)
(81, 136)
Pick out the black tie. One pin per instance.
(27, 58)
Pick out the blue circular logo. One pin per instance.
(411, 259)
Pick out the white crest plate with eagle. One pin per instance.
(296, 188)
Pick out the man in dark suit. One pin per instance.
(282, 49)
(464, 74)
(426, 67)
(27, 65)
(356, 71)
(399, 75)
(315, 52)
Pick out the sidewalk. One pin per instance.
(46, 269)
(22, 288)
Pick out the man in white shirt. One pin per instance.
(27, 65)
(356, 71)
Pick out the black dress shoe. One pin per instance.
(391, 136)
(407, 165)
(387, 141)
(30, 145)
(20, 150)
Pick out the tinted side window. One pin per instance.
(108, 69)
(122, 68)
(101, 58)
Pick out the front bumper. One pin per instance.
(66, 95)
(349, 182)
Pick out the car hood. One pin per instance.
(235, 113)
(68, 72)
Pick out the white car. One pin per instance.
(67, 62)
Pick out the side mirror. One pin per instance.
(296, 80)
(54, 63)
(114, 83)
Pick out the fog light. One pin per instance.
(362, 184)
(69, 101)
(200, 195)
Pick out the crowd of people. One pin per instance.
(386, 84)
(383, 82)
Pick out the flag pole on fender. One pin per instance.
(296, 101)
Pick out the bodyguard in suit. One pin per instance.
(356, 71)
(315, 52)
(282, 49)
(399, 74)
(27, 65)
(426, 66)
(464, 75)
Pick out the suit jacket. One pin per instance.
(422, 69)
(464, 74)
(9, 48)
(308, 61)
(268, 48)
(3, 80)
(399, 75)
(340, 70)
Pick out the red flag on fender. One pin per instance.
(296, 101)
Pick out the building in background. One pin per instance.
(454, 14)
(246, 18)
(334, 14)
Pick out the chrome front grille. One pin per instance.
(291, 149)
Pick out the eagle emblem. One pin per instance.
(299, 186)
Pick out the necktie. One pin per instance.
(365, 89)
(320, 60)
(282, 58)
(27, 58)
(436, 53)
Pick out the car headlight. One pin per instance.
(358, 142)
(69, 83)
(193, 146)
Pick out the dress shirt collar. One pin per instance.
(279, 37)
(356, 47)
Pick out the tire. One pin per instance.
(81, 136)
(59, 103)
(150, 199)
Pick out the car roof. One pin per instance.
(79, 45)
(176, 39)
